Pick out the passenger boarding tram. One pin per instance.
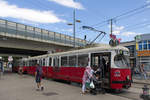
(70, 65)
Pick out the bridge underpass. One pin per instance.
(19, 52)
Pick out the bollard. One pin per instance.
(145, 95)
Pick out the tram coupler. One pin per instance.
(145, 95)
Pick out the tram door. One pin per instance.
(100, 62)
(56, 66)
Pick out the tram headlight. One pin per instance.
(128, 78)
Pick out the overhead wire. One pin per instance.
(123, 14)
(138, 27)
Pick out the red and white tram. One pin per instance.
(70, 65)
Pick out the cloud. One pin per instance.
(147, 1)
(7, 10)
(148, 26)
(117, 29)
(67, 30)
(63, 30)
(128, 33)
(69, 3)
(29, 23)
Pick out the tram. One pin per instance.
(70, 65)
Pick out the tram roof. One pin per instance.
(95, 48)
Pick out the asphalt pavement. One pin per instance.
(16, 87)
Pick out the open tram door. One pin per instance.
(100, 62)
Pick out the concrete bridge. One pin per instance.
(27, 40)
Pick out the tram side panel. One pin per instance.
(44, 68)
(50, 72)
(76, 74)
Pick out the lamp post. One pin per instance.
(74, 26)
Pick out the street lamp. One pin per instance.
(74, 29)
(74, 26)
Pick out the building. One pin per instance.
(143, 50)
(139, 50)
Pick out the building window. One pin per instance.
(145, 45)
(149, 44)
(140, 45)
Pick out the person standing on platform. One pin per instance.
(143, 72)
(38, 77)
(132, 72)
(1, 68)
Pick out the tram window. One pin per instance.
(43, 62)
(29, 63)
(95, 60)
(121, 61)
(83, 60)
(50, 61)
(72, 61)
(40, 62)
(64, 61)
(56, 62)
(34, 62)
(23, 63)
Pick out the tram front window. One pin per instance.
(121, 61)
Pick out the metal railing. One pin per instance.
(28, 32)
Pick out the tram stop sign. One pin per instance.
(10, 58)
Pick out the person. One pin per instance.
(1, 68)
(132, 72)
(143, 72)
(20, 70)
(86, 78)
(38, 77)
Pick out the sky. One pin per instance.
(54, 15)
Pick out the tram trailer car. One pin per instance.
(70, 65)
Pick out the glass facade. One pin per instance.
(149, 44)
(140, 45)
(131, 49)
(144, 45)
(144, 48)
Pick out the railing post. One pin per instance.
(16, 29)
(54, 36)
(6, 27)
(48, 36)
(60, 38)
(34, 32)
(26, 31)
(41, 34)
(65, 39)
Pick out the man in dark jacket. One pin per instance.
(38, 76)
